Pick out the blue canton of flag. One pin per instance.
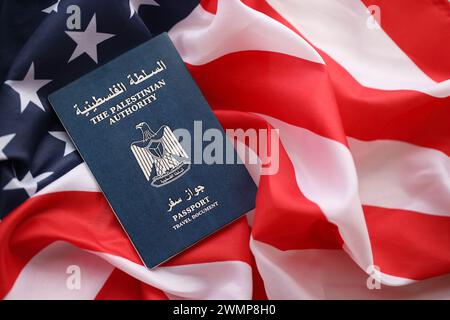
(39, 54)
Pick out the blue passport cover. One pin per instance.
(122, 118)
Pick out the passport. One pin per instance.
(158, 153)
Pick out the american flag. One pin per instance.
(359, 90)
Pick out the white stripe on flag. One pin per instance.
(213, 280)
(79, 178)
(45, 276)
(399, 175)
(340, 29)
(203, 37)
(326, 175)
(331, 274)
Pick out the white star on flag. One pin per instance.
(53, 7)
(61, 135)
(88, 40)
(4, 140)
(28, 88)
(28, 182)
(135, 4)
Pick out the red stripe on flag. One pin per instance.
(284, 217)
(209, 5)
(122, 286)
(293, 90)
(369, 114)
(409, 244)
(86, 220)
(421, 28)
(408, 116)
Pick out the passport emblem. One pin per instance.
(160, 156)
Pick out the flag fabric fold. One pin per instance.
(359, 93)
